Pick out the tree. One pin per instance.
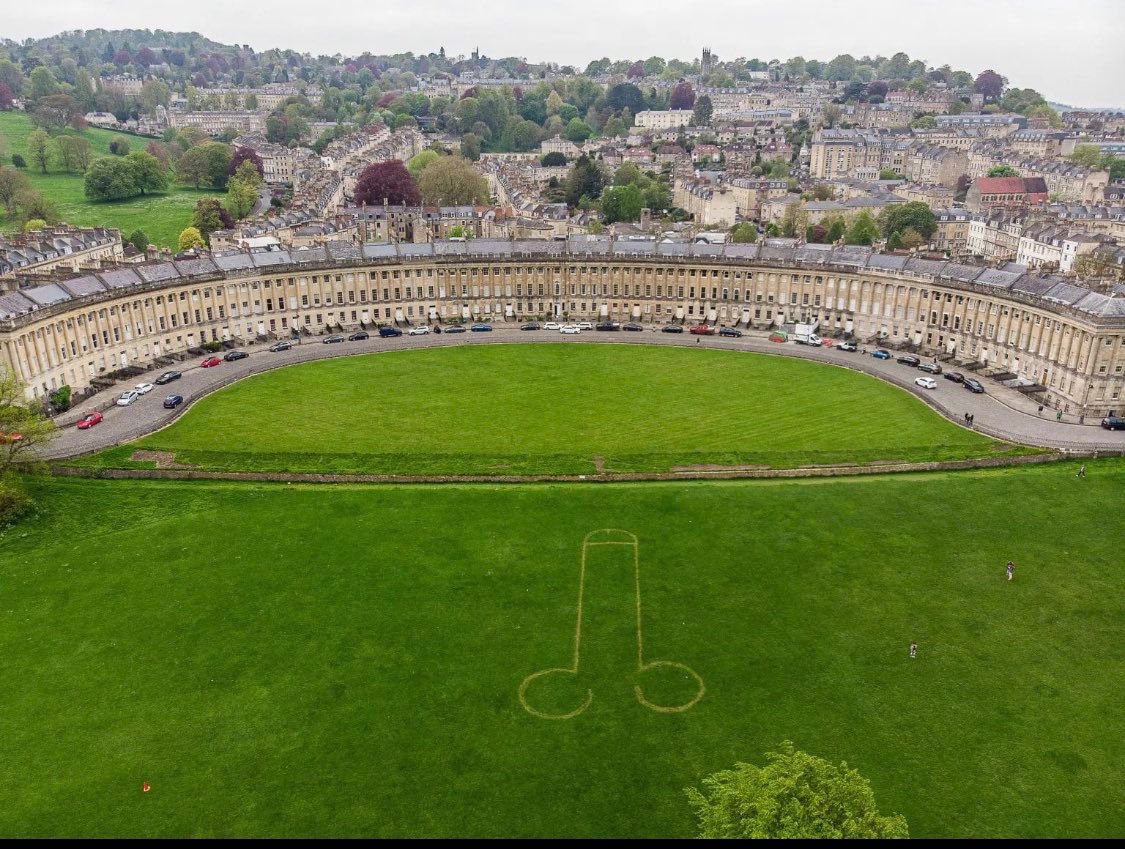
(578, 130)
(452, 181)
(17, 415)
(18, 161)
(701, 115)
(554, 159)
(795, 795)
(584, 179)
(56, 112)
(744, 233)
(209, 216)
(625, 96)
(622, 203)
(793, 221)
(386, 181)
(470, 146)
(1003, 171)
(119, 147)
(246, 154)
(148, 172)
(683, 96)
(863, 231)
(831, 114)
(990, 84)
(205, 163)
(110, 179)
(139, 240)
(41, 83)
(12, 184)
(39, 147)
(420, 161)
(914, 215)
(823, 191)
(241, 195)
(190, 238)
(1089, 155)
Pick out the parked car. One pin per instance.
(481, 328)
(168, 377)
(89, 420)
(384, 332)
(126, 398)
(974, 385)
(143, 388)
(955, 376)
(807, 339)
(932, 368)
(632, 327)
(908, 360)
(733, 332)
(420, 330)
(231, 356)
(585, 325)
(847, 345)
(211, 362)
(552, 325)
(359, 336)
(531, 325)
(703, 330)
(277, 346)
(672, 328)
(926, 382)
(607, 325)
(333, 339)
(1113, 423)
(880, 354)
(453, 328)
(570, 328)
(173, 401)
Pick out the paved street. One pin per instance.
(1001, 412)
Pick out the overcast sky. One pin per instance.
(1070, 50)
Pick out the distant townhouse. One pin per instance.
(662, 119)
(52, 249)
(1008, 192)
(1054, 248)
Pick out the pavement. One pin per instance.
(1000, 412)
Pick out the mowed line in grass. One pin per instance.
(302, 660)
(553, 409)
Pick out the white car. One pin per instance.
(926, 382)
(143, 388)
(552, 325)
(127, 398)
(585, 325)
(570, 328)
(421, 330)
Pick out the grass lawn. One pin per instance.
(552, 409)
(294, 660)
(161, 217)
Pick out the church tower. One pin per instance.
(707, 65)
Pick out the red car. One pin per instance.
(703, 330)
(211, 363)
(89, 420)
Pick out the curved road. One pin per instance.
(1001, 412)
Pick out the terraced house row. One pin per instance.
(1044, 329)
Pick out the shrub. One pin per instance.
(14, 500)
(18, 161)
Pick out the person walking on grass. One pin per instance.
(1081, 471)
(1011, 570)
(913, 649)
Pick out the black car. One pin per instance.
(848, 346)
(173, 401)
(908, 360)
(1113, 423)
(532, 325)
(167, 377)
(955, 376)
(333, 339)
(453, 328)
(607, 325)
(672, 328)
(632, 326)
(733, 332)
(389, 331)
(359, 336)
(280, 346)
(481, 328)
(973, 385)
(235, 355)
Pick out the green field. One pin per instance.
(294, 660)
(161, 216)
(554, 409)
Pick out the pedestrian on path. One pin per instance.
(1011, 570)
(1040, 409)
(913, 649)
(1058, 416)
(1081, 471)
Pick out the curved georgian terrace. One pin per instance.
(1045, 330)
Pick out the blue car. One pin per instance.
(481, 328)
(880, 354)
(173, 401)
(389, 331)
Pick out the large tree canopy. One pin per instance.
(387, 181)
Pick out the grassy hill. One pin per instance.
(161, 216)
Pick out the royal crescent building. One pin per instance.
(1043, 329)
